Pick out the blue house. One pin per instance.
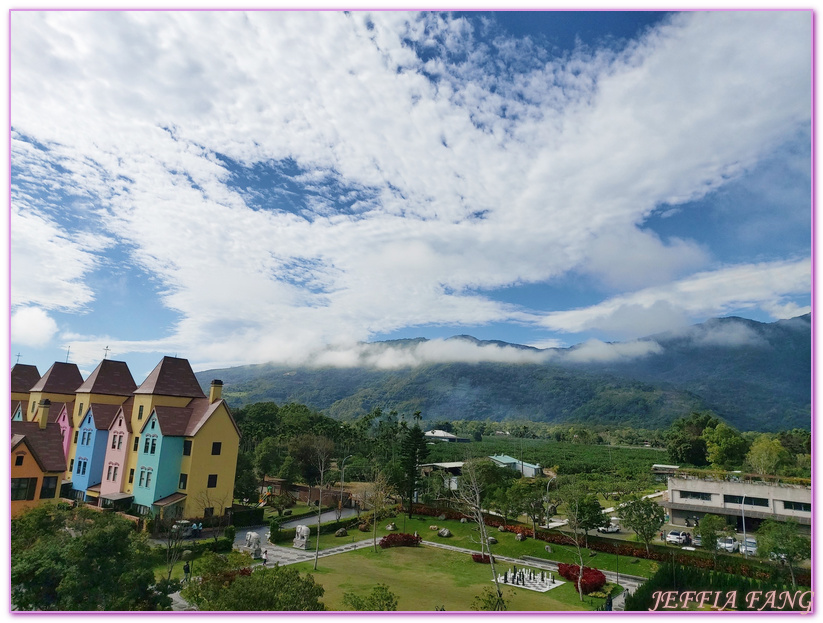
(159, 458)
(92, 437)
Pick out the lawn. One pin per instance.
(425, 578)
(466, 535)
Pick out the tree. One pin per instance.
(267, 457)
(226, 583)
(380, 599)
(245, 481)
(765, 455)
(375, 497)
(413, 451)
(82, 560)
(489, 600)
(217, 571)
(782, 540)
(685, 442)
(643, 516)
(725, 447)
(320, 452)
(528, 495)
(710, 529)
(583, 512)
(173, 545)
(505, 503)
(469, 497)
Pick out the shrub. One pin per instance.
(400, 539)
(230, 532)
(593, 579)
(484, 558)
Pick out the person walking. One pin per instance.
(186, 572)
(265, 557)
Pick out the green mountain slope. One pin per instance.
(755, 375)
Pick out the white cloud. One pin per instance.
(141, 108)
(32, 326)
(595, 351)
(703, 294)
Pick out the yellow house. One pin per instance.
(210, 467)
(37, 462)
(23, 378)
(58, 384)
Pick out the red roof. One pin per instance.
(23, 377)
(111, 378)
(46, 445)
(172, 377)
(61, 378)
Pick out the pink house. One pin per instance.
(63, 412)
(114, 463)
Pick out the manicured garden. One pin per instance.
(425, 578)
(466, 535)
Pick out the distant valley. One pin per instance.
(756, 376)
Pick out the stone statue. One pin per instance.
(252, 544)
(301, 537)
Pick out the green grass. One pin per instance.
(466, 535)
(425, 578)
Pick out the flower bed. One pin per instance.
(593, 579)
(400, 539)
(484, 558)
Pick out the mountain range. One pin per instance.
(756, 376)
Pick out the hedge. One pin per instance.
(687, 578)
(242, 517)
(221, 545)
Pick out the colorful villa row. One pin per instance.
(163, 448)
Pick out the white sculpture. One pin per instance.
(252, 544)
(301, 537)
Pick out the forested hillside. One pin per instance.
(755, 375)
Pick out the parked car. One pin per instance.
(609, 528)
(749, 546)
(697, 541)
(728, 543)
(676, 537)
(183, 526)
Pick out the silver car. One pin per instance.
(749, 546)
(728, 543)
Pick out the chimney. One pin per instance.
(216, 390)
(44, 412)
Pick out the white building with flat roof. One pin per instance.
(735, 496)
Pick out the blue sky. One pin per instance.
(246, 187)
